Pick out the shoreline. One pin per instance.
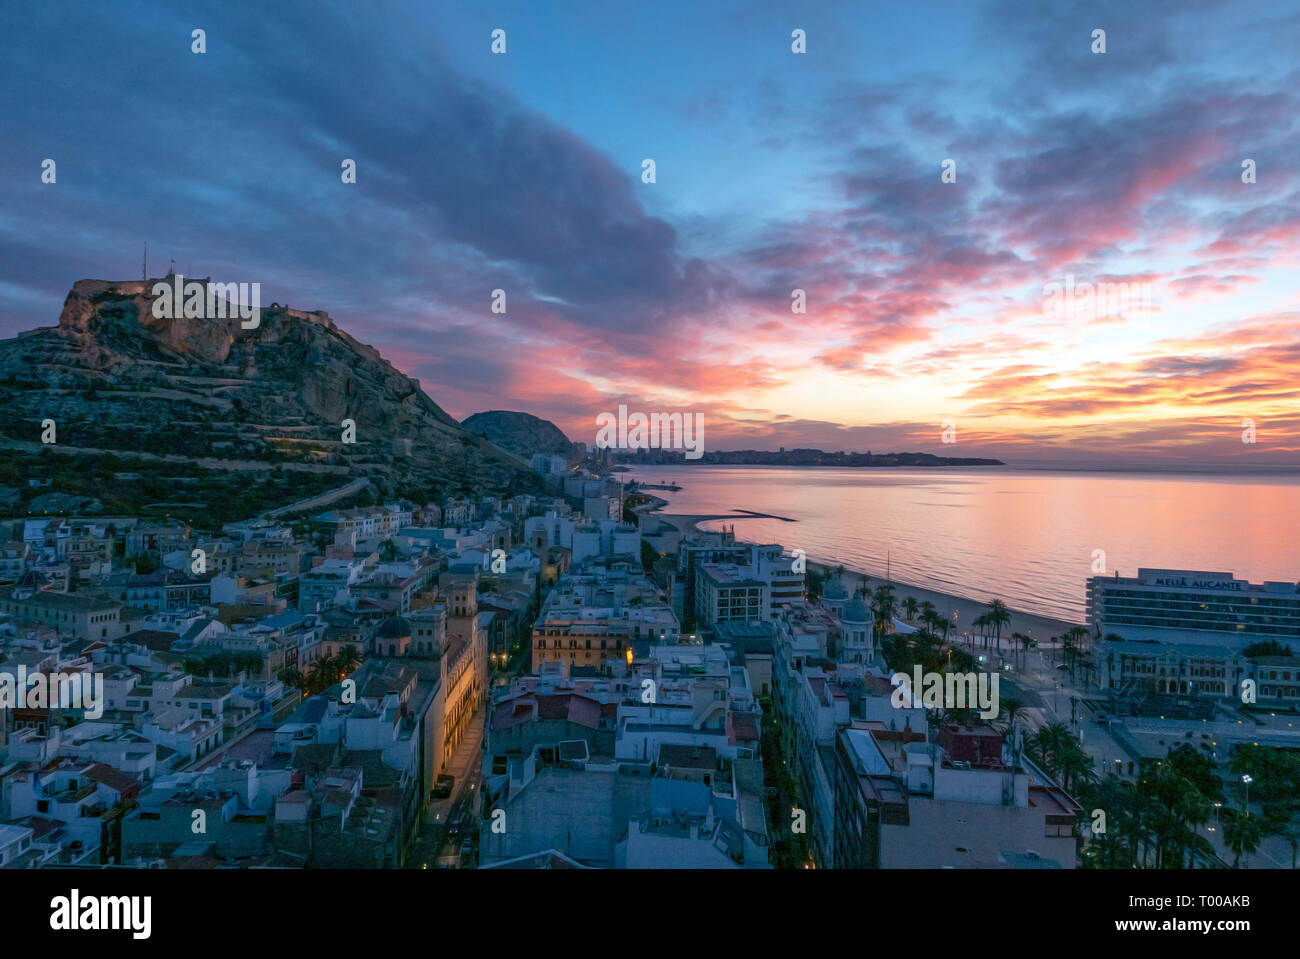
(1040, 627)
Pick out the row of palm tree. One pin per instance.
(991, 622)
(1072, 651)
(926, 614)
(1061, 754)
(883, 609)
(924, 648)
(1155, 821)
(323, 672)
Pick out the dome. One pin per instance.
(856, 612)
(395, 628)
(835, 590)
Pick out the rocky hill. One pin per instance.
(523, 434)
(114, 377)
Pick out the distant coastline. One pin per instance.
(795, 457)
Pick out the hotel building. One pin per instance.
(1186, 606)
(1184, 632)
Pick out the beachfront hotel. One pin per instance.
(1190, 606)
(1184, 632)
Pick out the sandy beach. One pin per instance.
(1041, 628)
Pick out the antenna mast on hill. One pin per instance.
(144, 264)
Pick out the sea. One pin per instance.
(1029, 537)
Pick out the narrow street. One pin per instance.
(437, 848)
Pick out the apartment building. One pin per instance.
(85, 615)
(725, 592)
(901, 804)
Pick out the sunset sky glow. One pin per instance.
(775, 171)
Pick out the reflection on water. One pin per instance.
(1025, 536)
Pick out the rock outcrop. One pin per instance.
(113, 376)
(523, 434)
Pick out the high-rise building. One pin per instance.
(1188, 606)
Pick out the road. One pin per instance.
(435, 848)
(322, 499)
(1046, 692)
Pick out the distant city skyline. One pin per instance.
(775, 172)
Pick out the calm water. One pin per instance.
(1024, 536)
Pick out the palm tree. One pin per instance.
(884, 607)
(322, 673)
(939, 623)
(1028, 643)
(1049, 744)
(1070, 649)
(998, 616)
(1246, 762)
(1009, 708)
(348, 658)
(1075, 766)
(910, 608)
(1277, 822)
(294, 678)
(1018, 641)
(387, 551)
(1241, 834)
(1089, 667)
(1179, 807)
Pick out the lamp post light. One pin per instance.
(1247, 779)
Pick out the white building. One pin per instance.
(548, 532)
(785, 584)
(605, 538)
(548, 465)
(328, 584)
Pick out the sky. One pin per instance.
(932, 308)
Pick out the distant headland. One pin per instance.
(795, 457)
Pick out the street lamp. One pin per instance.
(1247, 779)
